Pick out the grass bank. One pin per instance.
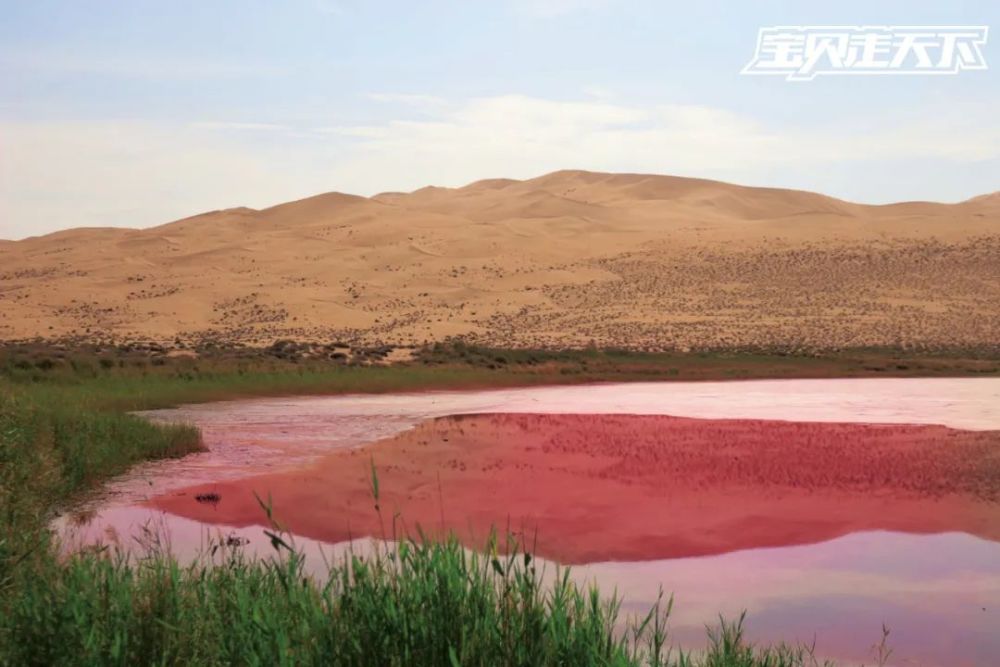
(420, 604)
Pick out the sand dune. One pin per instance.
(568, 258)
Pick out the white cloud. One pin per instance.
(517, 135)
(366, 131)
(230, 125)
(599, 92)
(179, 68)
(422, 102)
(554, 8)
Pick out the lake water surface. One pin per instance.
(934, 583)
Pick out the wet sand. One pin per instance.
(585, 488)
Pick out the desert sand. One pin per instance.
(589, 488)
(567, 259)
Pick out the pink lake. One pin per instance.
(938, 592)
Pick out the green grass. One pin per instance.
(422, 603)
(54, 448)
(64, 429)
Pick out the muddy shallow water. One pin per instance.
(824, 528)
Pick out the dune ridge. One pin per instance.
(570, 258)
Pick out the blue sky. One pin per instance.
(136, 113)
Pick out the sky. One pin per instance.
(133, 114)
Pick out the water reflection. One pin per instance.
(938, 594)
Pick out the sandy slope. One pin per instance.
(567, 258)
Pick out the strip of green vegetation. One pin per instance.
(64, 429)
(127, 378)
(421, 604)
(53, 448)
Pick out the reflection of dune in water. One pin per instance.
(249, 437)
(635, 487)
